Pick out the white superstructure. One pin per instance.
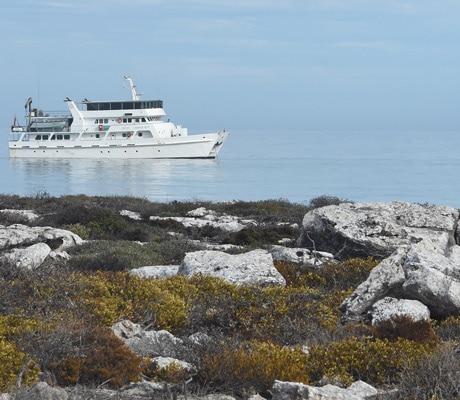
(108, 129)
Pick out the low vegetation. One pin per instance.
(55, 321)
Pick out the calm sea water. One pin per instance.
(417, 167)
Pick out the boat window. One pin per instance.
(98, 136)
(53, 137)
(66, 137)
(59, 137)
(45, 137)
(139, 134)
(126, 105)
(143, 119)
(38, 137)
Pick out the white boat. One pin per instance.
(108, 129)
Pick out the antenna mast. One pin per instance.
(134, 95)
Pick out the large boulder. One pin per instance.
(416, 243)
(297, 391)
(21, 235)
(434, 280)
(29, 258)
(254, 267)
(377, 229)
(385, 280)
(28, 247)
(429, 277)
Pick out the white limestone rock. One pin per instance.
(386, 278)
(28, 258)
(435, 281)
(135, 216)
(429, 277)
(202, 217)
(164, 362)
(126, 329)
(254, 267)
(297, 391)
(156, 271)
(28, 215)
(300, 255)
(218, 396)
(148, 343)
(143, 390)
(377, 229)
(390, 308)
(21, 235)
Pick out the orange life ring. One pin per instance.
(119, 120)
(101, 128)
(129, 134)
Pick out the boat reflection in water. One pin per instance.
(156, 180)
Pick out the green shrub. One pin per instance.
(80, 230)
(325, 200)
(284, 315)
(376, 361)
(123, 255)
(101, 223)
(261, 236)
(343, 275)
(266, 211)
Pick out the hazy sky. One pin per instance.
(241, 64)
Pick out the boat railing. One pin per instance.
(48, 114)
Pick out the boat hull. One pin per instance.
(193, 146)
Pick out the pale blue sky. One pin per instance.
(241, 64)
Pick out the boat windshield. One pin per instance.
(122, 105)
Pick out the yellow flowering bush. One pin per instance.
(255, 364)
(114, 296)
(375, 361)
(12, 360)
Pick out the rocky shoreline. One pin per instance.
(416, 279)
